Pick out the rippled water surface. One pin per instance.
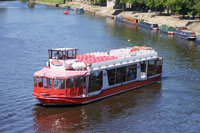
(173, 105)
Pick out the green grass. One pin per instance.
(59, 2)
(52, 1)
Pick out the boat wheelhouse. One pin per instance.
(167, 29)
(69, 78)
(183, 32)
(149, 25)
(131, 20)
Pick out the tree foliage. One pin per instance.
(183, 7)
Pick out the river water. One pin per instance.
(173, 105)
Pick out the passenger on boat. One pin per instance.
(58, 55)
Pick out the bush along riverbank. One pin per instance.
(155, 17)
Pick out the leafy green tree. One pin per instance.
(183, 7)
(197, 7)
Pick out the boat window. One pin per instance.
(155, 25)
(151, 68)
(45, 83)
(121, 75)
(143, 66)
(132, 72)
(159, 66)
(75, 86)
(55, 54)
(59, 84)
(111, 76)
(95, 81)
(70, 83)
(79, 82)
(71, 54)
(35, 81)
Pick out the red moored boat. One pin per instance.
(69, 78)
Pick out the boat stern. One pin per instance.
(155, 29)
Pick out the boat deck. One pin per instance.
(115, 57)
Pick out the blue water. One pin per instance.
(173, 105)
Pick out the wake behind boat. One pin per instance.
(69, 78)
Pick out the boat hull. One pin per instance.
(167, 32)
(185, 36)
(129, 22)
(46, 100)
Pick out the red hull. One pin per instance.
(45, 100)
(155, 29)
(170, 33)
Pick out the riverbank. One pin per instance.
(155, 17)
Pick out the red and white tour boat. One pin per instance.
(69, 78)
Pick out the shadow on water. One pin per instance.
(134, 34)
(2, 8)
(80, 118)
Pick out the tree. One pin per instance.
(196, 8)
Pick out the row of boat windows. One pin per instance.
(79, 82)
(122, 74)
(57, 54)
(128, 73)
(149, 25)
(186, 33)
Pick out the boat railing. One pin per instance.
(121, 61)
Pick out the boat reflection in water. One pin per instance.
(81, 118)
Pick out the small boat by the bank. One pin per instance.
(80, 10)
(149, 25)
(131, 20)
(69, 78)
(76, 9)
(183, 32)
(119, 19)
(167, 29)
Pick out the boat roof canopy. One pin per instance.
(188, 31)
(63, 49)
(59, 74)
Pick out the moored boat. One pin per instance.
(131, 20)
(149, 25)
(167, 29)
(69, 78)
(182, 32)
(76, 9)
